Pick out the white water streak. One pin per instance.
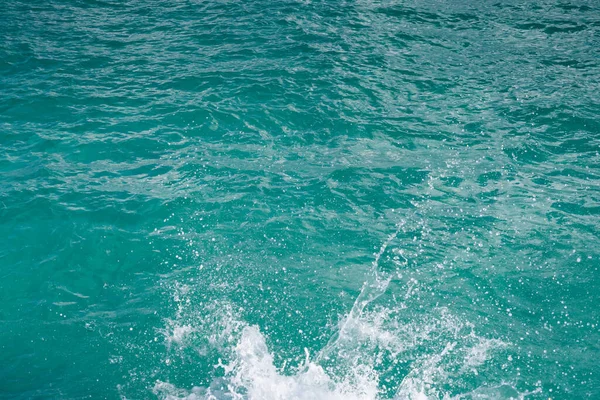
(371, 290)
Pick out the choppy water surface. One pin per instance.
(300, 199)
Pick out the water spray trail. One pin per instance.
(372, 288)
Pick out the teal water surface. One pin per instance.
(369, 199)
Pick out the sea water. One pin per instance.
(248, 199)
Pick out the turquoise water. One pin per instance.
(299, 199)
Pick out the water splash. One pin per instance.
(372, 288)
(427, 355)
(252, 374)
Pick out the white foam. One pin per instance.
(437, 348)
(251, 373)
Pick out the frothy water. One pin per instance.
(252, 374)
(439, 348)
